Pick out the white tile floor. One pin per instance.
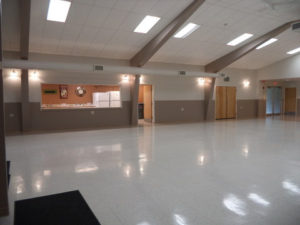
(218, 173)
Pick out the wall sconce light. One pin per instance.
(141, 79)
(125, 79)
(201, 81)
(13, 75)
(246, 83)
(34, 76)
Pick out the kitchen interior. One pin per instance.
(75, 96)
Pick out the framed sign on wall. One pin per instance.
(63, 91)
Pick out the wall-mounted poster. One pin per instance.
(50, 91)
(63, 91)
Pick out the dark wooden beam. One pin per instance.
(25, 6)
(3, 170)
(25, 105)
(25, 28)
(231, 57)
(4, 209)
(134, 100)
(143, 56)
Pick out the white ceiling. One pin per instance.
(104, 28)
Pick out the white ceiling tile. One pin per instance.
(103, 36)
(131, 22)
(52, 30)
(105, 3)
(104, 28)
(90, 2)
(79, 13)
(126, 5)
(115, 19)
(70, 32)
(87, 35)
(97, 16)
(144, 6)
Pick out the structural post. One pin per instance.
(134, 100)
(25, 100)
(209, 103)
(25, 6)
(3, 169)
(4, 209)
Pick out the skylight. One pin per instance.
(58, 10)
(294, 51)
(240, 39)
(187, 30)
(146, 25)
(270, 41)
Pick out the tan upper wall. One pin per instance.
(237, 77)
(287, 68)
(165, 87)
(168, 88)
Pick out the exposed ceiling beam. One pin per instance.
(233, 56)
(143, 56)
(25, 6)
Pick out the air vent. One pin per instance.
(98, 68)
(227, 79)
(296, 27)
(182, 73)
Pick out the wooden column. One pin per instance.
(25, 6)
(135, 100)
(3, 173)
(25, 101)
(209, 108)
(4, 209)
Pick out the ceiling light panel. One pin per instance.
(146, 25)
(270, 41)
(294, 51)
(240, 39)
(58, 10)
(187, 30)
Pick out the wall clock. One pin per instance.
(80, 91)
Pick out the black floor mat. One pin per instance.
(67, 208)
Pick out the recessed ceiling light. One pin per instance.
(240, 39)
(58, 10)
(270, 41)
(147, 23)
(187, 30)
(294, 51)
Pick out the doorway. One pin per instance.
(290, 101)
(225, 102)
(274, 101)
(145, 103)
